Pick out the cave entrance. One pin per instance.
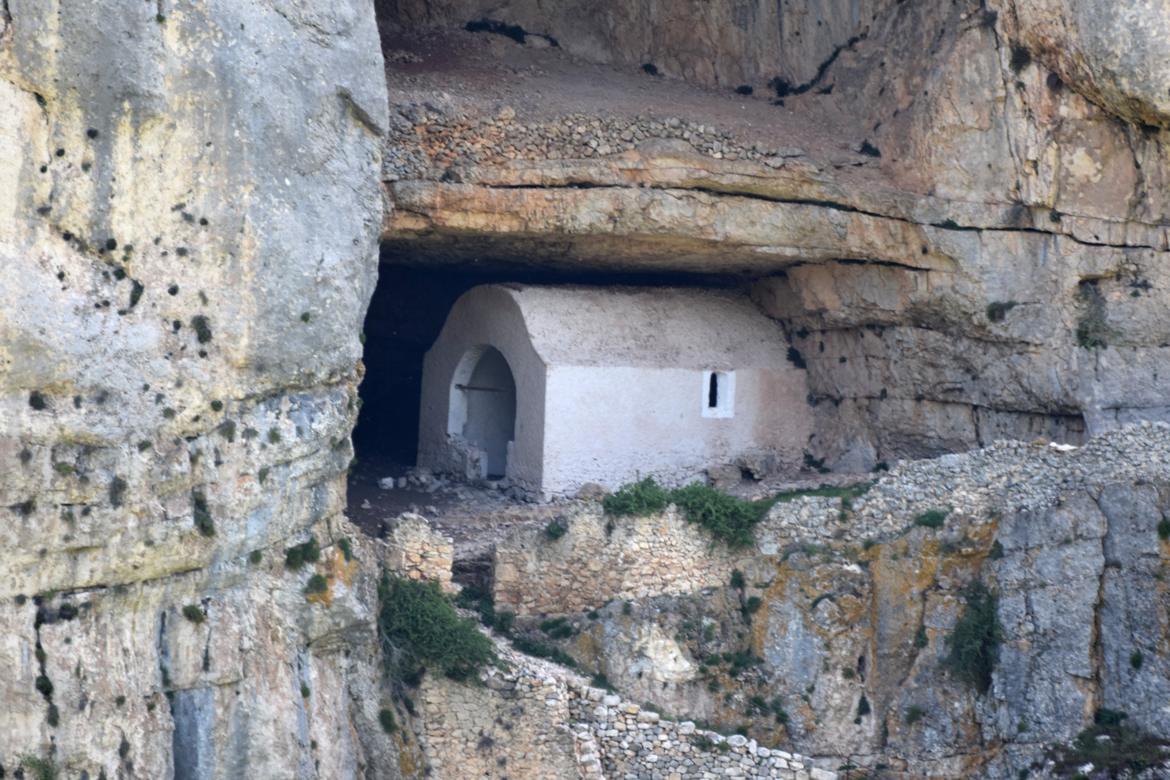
(409, 306)
(483, 408)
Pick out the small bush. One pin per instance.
(255, 556)
(346, 548)
(1136, 659)
(914, 713)
(557, 628)
(117, 491)
(974, 644)
(752, 605)
(39, 768)
(737, 581)
(730, 520)
(194, 613)
(1113, 748)
(637, 499)
(932, 518)
(555, 530)
(1164, 529)
(317, 584)
(538, 649)
(419, 627)
(307, 552)
(504, 622)
(203, 520)
(305, 692)
(386, 718)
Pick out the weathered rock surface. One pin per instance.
(836, 638)
(189, 215)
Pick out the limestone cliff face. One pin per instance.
(965, 232)
(189, 215)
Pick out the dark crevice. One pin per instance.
(784, 89)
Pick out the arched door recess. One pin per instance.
(483, 407)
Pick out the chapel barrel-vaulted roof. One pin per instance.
(664, 327)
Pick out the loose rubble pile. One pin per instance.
(428, 141)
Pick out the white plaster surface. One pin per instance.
(610, 382)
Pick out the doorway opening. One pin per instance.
(483, 408)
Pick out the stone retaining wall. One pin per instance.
(532, 719)
(638, 557)
(417, 551)
(621, 740)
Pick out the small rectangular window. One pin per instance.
(718, 393)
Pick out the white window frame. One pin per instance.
(725, 399)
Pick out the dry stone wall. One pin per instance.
(531, 719)
(416, 550)
(600, 559)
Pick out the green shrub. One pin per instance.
(386, 718)
(39, 768)
(255, 556)
(932, 518)
(117, 491)
(1113, 748)
(539, 649)
(194, 613)
(557, 628)
(346, 548)
(845, 492)
(555, 530)
(974, 644)
(316, 584)
(920, 638)
(914, 713)
(419, 627)
(1093, 331)
(752, 605)
(737, 581)
(504, 622)
(639, 498)
(298, 555)
(305, 692)
(203, 520)
(730, 520)
(1164, 529)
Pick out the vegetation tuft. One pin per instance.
(419, 627)
(317, 584)
(974, 643)
(555, 529)
(307, 552)
(194, 613)
(932, 518)
(1113, 748)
